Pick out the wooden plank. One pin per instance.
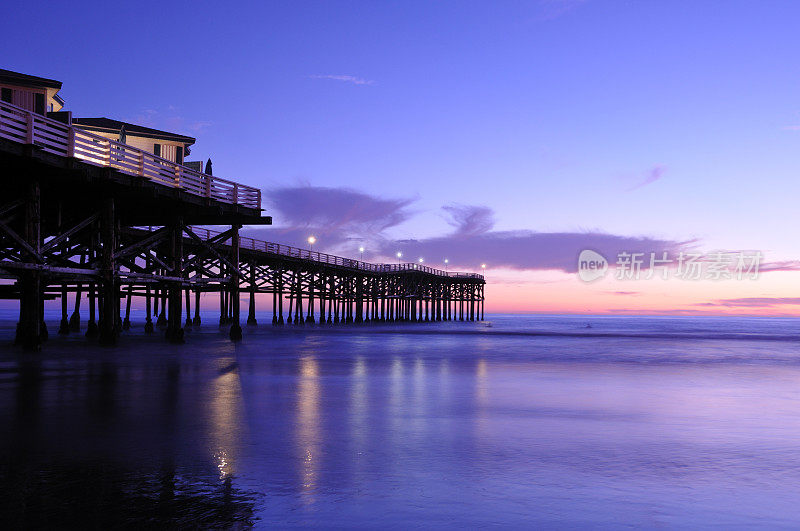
(58, 239)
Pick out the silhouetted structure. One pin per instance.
(84, 213)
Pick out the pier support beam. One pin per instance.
(251, 313)
(29, 328)
(188, 324)
(236, 328)
(196, 321)
(175, 333)
(108, 288)
(126, 323)
(148, 325)
(63, 328)
(91, 325)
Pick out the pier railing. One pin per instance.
(325, 258)
(26, 127)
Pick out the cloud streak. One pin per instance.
(525, 249)
(749, 302)
(655, 173)
(473, 242)
(346, 78)
(553, 9)
(785, 265)
(342, 219)
(333, 215)
(470, 220)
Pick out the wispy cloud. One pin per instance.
(748, 302)
(343, 219)
(340, 217)
(473, 242)
(785, 265)
(655, 173)
(334, 215)
(470, 219)
(168, 119)
(552, 9)
(527, 250)
(791, 127)
(344, 78)
(198, 127)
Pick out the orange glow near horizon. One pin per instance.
(510, 291)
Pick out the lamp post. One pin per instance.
(483, 268)
(361, 250)
(311, 241)
(446, 261)
(399, 256)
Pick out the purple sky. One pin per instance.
(512, 133)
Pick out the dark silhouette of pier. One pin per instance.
(86, 215)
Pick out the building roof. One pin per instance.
(113, 126)
(15, 78)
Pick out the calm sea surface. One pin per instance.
(519, 421)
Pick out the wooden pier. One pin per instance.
(84, 215)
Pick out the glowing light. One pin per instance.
(420, 260)
(483, 266)
(399, 254)
(360, 249)
(446, 261)
(312, 240)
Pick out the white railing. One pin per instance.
(25, 127)
(325, 258)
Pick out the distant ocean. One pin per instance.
(515, 422)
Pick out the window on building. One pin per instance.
(157, 150)
(7, 95)
(38, 103)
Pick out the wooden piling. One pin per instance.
(126, 322)
(196, 321)
(29, 327)
(108, 284)
(175, 332)
(251, 311)
(236, 328)
(63, 328)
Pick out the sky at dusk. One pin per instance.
(514, 134)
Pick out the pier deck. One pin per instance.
(89, 216)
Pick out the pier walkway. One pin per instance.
(95, 218)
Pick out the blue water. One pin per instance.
(519, 421)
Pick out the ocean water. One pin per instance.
(515, 422)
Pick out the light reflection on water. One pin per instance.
(388, 429)
(359, 419)
(228, 428)
(308, 431)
